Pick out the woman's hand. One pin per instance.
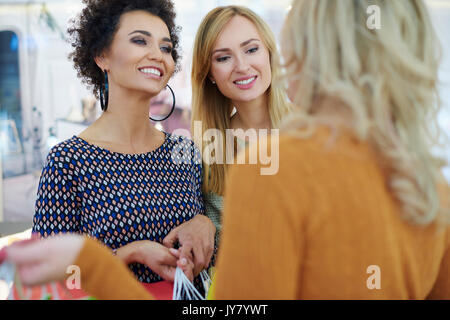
(157, 257)
(186, 265)
(196, 238)
(43, 261)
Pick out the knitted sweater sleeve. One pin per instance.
(106, 277)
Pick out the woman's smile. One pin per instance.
(152, 72)
(245, 83)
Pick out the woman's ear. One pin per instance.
(212, 80)
(101, 62)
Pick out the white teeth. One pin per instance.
(152, 71)
(246, 81)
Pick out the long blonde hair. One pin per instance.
(209, 105)
(386, 77)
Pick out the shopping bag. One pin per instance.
(50, 291)
(161, 290)
(7, 273)
(181, 289)
(184, 289)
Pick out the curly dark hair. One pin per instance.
(93, 31)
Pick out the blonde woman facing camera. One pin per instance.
(235, 63)
(359, 208)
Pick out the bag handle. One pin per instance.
(184, 289)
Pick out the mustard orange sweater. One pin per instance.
(106, 277)
(325, 227)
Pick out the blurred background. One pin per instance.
(42, 102)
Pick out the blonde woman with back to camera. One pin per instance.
(359, 208)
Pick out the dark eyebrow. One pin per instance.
(243, 44)
(148, 34)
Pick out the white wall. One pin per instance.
(440, 15)
(48, 79)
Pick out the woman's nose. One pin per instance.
(155, 53)
(242, 64)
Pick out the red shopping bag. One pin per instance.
(50, 291)
(162, 290)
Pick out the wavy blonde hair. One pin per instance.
(386, 77)
(209, 105)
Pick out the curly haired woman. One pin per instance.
(121, 180)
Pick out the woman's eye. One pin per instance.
(166, 49)
(253, 50)
(139, 41)
(222, 59)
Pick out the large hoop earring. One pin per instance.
(173, 106)
(104, 95)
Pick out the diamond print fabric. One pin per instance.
(119, 198)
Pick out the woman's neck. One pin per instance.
(125, 125)
(252, 115)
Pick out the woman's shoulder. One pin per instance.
(178, 138)
(295, 154)
(326, 141)
(183, 149)
(66, 150)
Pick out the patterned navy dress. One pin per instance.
(119, 198)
